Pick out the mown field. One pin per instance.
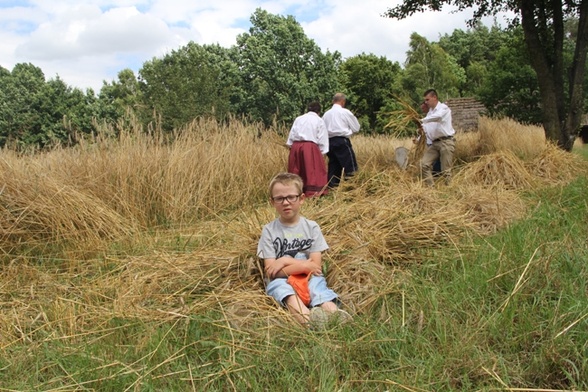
(129, 263)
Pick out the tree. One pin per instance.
(282, 69)
(510, 87)
(369, 81)
(38, 112)
(19, 88)
(477, 44)
(195, 80)
(62, 112)
(474, 50)
(117, 97)
(543, 27)
(429, 66)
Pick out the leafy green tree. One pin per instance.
(193, 81)
(282, 70)
(511, 88)
(429, 66)
(7, 110)
(474, 50)
(118, 96)
(476, 74)
(34, 112)
(19, 88)
(369, 81)
(544, 31)
(62, 112)
(477, 44)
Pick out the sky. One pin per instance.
(88, 42)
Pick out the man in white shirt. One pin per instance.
(427, 130)
(308, 142)
(439, 129)
(341, 124)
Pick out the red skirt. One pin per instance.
(307, 161)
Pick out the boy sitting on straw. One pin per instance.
(291, 247)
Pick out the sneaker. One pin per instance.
(318, 318)
(341, 317)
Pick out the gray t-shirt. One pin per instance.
(278, 240)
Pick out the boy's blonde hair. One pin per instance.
(286, 179)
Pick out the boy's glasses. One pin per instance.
(281, 199)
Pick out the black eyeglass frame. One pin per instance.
(290, 198)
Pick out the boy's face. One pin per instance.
(288, 209)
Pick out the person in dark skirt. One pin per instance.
(308, 142)
(341, 123)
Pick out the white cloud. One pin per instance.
(358, 27)
(88, 41)
(87, 31)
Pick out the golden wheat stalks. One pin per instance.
(402, 119)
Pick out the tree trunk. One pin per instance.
(574, 117)
(547, 86)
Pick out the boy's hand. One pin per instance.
(273, 268)
(315, 269)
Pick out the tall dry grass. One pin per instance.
(106, 189)
(170, 227)
(500, 135)
(206, 168)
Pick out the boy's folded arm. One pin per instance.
(279, 268)
(272, 267)
(286, 265)
(310, 266)
(301, 267)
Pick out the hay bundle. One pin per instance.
(41, 211)
(490, 209)
(502, 169)
(405, 119)
(419, 150)
(401, 119)
(507, 135)
(359, 280)
(555, 165)
(176, 286)
(393, 224)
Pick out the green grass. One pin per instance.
(508, 310)
(515, 303)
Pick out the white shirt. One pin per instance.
(429, 128)
(309, 128)
(340, 121)
(440, 115)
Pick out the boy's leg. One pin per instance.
(320, 294)
(298, 310)
(329, 306)
(285, 295)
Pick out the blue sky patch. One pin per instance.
(14, 3)
(20, 27)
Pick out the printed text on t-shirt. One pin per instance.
(284, 247)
